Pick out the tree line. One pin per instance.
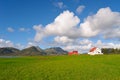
(110, 51)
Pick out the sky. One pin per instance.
(69, 24)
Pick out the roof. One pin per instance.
(73, 52)
(93, 49)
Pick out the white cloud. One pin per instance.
(31, 44)
(6, 43)
(107, 45)
(60, 5)
(105, 22)
(67, 30)
(9, 29)
(64, 25)
(19, 46)
(40, 32)
(86, 46)
(79, 48)
(112, 33)
(85, 42)
(63, 39)
(79, 45)
(80, 9)
(24, 29)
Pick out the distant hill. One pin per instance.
(34, 50)
(9, 51)
(55, 51)
(31, 51)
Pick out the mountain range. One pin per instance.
(31, 51)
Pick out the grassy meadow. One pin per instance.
(81, 67)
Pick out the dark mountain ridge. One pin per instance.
(34, 50)
(9, 51)
(55, 50)
(31, 51)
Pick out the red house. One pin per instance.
(73, 53)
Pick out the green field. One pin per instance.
(82, 67)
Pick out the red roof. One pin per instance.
(73, 53)
(93, 49)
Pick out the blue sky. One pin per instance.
(18, 19)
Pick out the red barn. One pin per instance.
(73, 53)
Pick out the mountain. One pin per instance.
(55, 51)
(31, 51)
(34, 50)
(8, 51)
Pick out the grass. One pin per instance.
(82, 67)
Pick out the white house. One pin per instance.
(94, 51)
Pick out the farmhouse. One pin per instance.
(73, 53)
(94, 51)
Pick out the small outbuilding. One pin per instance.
(94, 51)
(73, 53)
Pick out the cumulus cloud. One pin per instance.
(9, 29)
(107, 45)
(40, 32)
(64, 25)
(105, 22)
(6, 43)
(67, 29)
(80, 9)
(60, 5)
(63, 39)
(79, 45)
(85, 42)
(112, 33)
